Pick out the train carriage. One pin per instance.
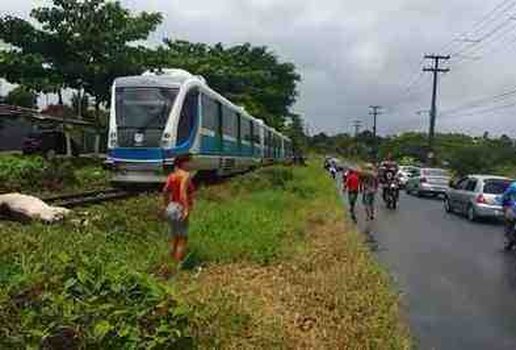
(157, 116)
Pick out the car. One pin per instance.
(477, 196)
(47, 143)
(405, 172)
(432, 181)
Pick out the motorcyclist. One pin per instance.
(388, 173)
(509, 207)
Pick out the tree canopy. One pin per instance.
(86, 44)
(75, 44)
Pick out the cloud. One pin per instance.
(355, 53)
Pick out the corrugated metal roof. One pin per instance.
(7, 111)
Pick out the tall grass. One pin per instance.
(98, 280)
(261, 210)
(74, 281)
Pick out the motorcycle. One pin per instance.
(391, 195)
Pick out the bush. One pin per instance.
(17, 173)
(87, 303)
(34, 174)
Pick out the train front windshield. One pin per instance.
(141, 114)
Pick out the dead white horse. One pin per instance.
(31, 207)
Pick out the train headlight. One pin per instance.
(165, 142)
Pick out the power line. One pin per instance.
(484, 111)
(481, 23)
(478, 103)
(478, 45)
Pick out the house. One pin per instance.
(17, 122)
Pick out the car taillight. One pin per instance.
(480, 199)
(422, 180)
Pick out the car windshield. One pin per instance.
(496, 186)
(434, 172)
(143, 107)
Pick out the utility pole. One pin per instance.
(357, 124)
(375, 111)
(433, 109)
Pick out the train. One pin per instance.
(159, 115)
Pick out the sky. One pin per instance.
(353, 54)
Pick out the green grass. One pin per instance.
(111, 249)
(97, 279)
(262, 212)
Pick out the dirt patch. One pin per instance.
(334, 296)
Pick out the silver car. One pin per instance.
(428, 181)
(477, 196)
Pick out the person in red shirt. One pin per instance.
(178, 202)
(353, 187)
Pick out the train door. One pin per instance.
(211, 133)
(187, 124)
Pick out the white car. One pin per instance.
(405, 172)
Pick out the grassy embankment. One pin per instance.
(36, 175)
(281, 268)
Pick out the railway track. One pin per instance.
(89, 197)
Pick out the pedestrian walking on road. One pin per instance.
(369, 187)
(178, 200)
(353, 187)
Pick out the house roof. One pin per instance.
(9, 111)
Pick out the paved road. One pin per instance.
(459, 286)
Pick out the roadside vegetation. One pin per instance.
(36, 175)
(273, 264)
(461, 153)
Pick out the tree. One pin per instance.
(247, 75)
(294, 129)
(76, 44)
(472, 159)
(21, 96)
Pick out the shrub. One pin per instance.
(34, 174)
(87, 303)
(17, 173)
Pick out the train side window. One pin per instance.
(246, 129)
(187, 117)
(229, 122)
(256, 133)
(210, 112)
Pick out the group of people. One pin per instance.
(366, 181)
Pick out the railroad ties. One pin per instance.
(89, 197)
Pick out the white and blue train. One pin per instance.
(157, 116)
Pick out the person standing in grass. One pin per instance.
(178, 200)
(353, 187)
(369, 187)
